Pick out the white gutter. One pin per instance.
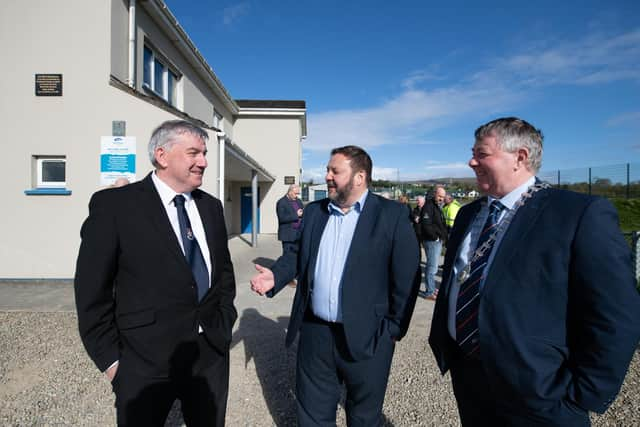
(221, 181)
(132, 44)
(163, 16)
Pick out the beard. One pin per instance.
(342, 194)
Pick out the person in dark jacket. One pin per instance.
(289, 211)
(434, 234)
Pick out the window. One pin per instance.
(49, 176)
(158, 77)
(51, 172)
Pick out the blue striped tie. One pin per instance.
(192, 249)
(469, 293)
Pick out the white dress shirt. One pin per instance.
(167, 195)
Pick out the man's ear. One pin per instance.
(161, 157)
(522, 158)
(360, 178)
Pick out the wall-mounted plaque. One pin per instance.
(48, 84)
(118, 128)
(288, 180)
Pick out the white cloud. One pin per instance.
(232, 13)
(631, 118)
(510, 80)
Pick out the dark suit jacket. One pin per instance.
(287, 216)
(381, 275)
(135, 293)
(559, 311)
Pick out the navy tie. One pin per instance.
(469, 294)
(191, 249)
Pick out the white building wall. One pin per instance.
(274, 143)
(40, 234)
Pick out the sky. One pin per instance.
(410, 81)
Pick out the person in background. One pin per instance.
(289, 211)
(537, 315)
(434, 235)
(450, 210)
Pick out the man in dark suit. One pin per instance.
(155, 286)
(537, 316)
(289, 211)
(358, 278)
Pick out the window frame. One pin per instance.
(167, 89)
(40, 182)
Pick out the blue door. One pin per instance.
(245, 210)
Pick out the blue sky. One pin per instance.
(410, 81)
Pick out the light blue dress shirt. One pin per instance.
(326, 300)
(470, 241)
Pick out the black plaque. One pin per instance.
(48, 84)
(288, 180)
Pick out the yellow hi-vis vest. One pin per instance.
(450, 211)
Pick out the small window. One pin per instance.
(159, 78)
(51, 172)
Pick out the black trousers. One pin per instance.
(199, 378)
(478, 406)
(324, 364)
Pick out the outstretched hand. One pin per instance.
(262, 282)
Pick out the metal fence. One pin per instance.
(621, 180)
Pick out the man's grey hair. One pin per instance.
(164, 136)
(511, 134)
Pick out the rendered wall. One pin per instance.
(274, 142)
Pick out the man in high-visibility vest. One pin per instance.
(450, 210)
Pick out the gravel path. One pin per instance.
(47, 379)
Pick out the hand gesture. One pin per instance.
(262, 282)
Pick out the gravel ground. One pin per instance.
(47, 379)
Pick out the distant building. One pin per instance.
(84, 84)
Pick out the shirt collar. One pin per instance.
(510, 199)
(166, 193)
(357, 206)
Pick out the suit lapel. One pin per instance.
(209, 217)
(157, 215)
(362, 234)
(522, 223)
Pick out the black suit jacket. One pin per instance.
(135, 293)
(558, 316)
(287, 216)
(381, 275)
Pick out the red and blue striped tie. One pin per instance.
(469, 293)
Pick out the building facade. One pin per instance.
(85, 83)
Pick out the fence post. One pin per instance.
(635, 252)
(558, 178)
(628, 182)
(589, 181)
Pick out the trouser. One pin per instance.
(324, 364)
(202, 388)
(433, 248)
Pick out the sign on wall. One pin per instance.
(48, 84)
(288, 180)
(117, 159)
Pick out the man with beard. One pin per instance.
(434, 234)
(358, 278)
(537, 315)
